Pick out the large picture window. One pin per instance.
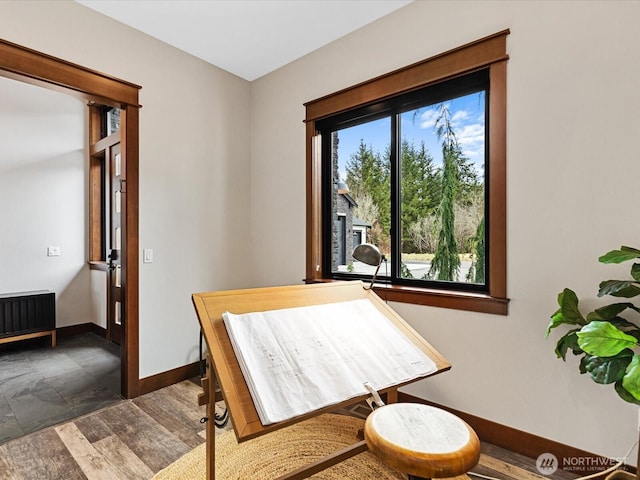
(413, 162)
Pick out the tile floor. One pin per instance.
(41, 386)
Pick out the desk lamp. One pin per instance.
(369, 254)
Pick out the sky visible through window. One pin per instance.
(467, 119)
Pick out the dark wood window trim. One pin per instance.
(489, 52)
(31, 66)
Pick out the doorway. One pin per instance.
(43, 190)
(26, 65)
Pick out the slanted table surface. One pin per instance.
(210, 307)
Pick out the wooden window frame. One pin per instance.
(488, 52)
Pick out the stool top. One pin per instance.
(420, 428)
(422, 440)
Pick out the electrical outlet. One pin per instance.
(53, 251)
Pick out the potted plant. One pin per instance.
(604, 339)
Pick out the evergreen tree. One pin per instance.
(476, 273)
(368, 175)
(446, 262)
(419, 192)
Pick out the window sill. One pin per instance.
(98, 265)
(473, 302)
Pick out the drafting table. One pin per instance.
(226, 369)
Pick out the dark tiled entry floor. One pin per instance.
(42, 386)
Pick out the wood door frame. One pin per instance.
(26, 65)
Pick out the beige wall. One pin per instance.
(194, 164)
(573, 126)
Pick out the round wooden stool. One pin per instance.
(422, 441)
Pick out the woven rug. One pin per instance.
(277, 453)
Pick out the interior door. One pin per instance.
(115, 296)
(107, 209)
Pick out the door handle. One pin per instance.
(113, 255)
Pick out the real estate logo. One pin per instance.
(547, 463)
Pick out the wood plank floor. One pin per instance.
(137, 438)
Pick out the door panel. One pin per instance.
(116, 197)
(342, 240)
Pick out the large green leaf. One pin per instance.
(603, 339)
(631, 379)
(609, 312)
(619, 288)
(583, 364)
(619, 256)
(626, 396)
(623, 324)
(626, 326)
(609, 369)
(566, 342)
(568, 312)
(634, 333)
(635, 271)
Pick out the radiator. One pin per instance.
(26, 315)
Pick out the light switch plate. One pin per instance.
(147, 255)
(53, 251)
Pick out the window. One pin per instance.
(104, 164)
(414, 162)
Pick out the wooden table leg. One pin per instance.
(211, 425)
(208, 398)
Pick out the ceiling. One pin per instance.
(248, 38)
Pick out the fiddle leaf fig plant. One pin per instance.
(605, 340)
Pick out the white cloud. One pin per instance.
(459, 117)
(471, 134)
(469, 130)
(429, 117)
